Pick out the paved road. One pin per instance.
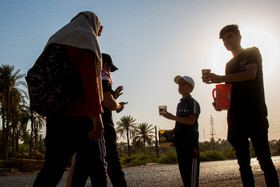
(157, 175)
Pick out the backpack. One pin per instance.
(52, 83)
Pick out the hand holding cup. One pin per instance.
(162, 109)
(205, 73)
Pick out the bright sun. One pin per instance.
(268, 46)
(258, 37)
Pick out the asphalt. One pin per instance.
(158, 175)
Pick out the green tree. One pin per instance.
(144, 135)
(22, 132)
(126, 127)
(278, 147)
(3, 122)
(9, 82)
(17, 102)
(37, 122)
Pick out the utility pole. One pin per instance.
(212, 130)
(156, 142)
(203, 135)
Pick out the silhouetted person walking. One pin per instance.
(78, 129)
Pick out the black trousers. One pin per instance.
(115, 172)
(240, 129)
(114, 168)
(188, 161)
(65, 136)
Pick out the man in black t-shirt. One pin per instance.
(247, 116)
(109, 104)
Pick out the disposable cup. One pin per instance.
(204, 73)
(161, 109)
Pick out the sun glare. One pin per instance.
(219, 57)
(251, 37)
(268, 46)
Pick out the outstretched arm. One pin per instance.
(185, 120)
(110, 103)
(249, 74)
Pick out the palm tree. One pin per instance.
(9, 81)
(144, 135)
(126, 127)
(15, 99)
(3, 121)
(22, 131)
(39, 123)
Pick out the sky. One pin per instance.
(152, 41)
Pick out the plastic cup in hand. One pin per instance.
(161, 109)
(205, 72)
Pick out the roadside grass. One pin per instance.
(169, 157)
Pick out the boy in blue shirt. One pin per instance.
(186, 132)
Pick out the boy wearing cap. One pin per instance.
(110, 104)
(186, 131)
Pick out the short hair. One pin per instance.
(229, 28)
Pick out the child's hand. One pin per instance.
(167, 114)
(118, 92)
(98, 129)
(122, 106)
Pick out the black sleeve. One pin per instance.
(194, 108)
(106, 86)
(254, 56)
